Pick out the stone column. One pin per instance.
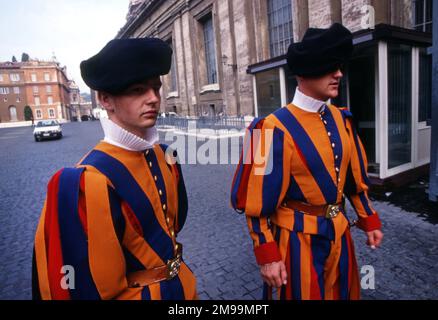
(245, 53)
(352, 13)
(300, 18)
(323, 13)
(227, 61)
(401, 13)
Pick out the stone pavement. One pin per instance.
(216, 242)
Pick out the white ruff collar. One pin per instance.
(307, 103)
(116, 135)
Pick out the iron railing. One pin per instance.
(215, 123)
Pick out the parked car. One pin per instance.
(170, 114)
(47, 129)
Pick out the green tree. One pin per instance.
(28, 115)
(14, 59)
(25, 57)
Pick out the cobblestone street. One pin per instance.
(216, 242)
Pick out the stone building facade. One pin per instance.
(75, 101)
(208, 74)
(229, 59)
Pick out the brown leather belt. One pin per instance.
(168, 271)
(329, 211)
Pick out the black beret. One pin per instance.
(321, 51)
(123, 62)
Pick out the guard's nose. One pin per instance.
(152, 96)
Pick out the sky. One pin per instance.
(73, 30)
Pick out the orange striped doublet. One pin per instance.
(315, 158)
(117, 212)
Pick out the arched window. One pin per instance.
(13, 113)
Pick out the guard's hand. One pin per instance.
(374, 238)
(274, 274)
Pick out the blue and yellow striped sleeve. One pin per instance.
(260, 184)
(357, 183)
(77, 229)
(172, 160)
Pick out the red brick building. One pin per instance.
(42, 85)
(13, 97)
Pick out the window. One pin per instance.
(280, 26)
(5, 99)
(14, 77)
(425, 86)
(37, 101)
(291, 84)
(268, 91)
(423, 15)
(16, 90)
(342, 99)
(39, 114)
(362, 92)
(51, 113)
(49, 100)
(18, 99)
(173, 80)
(33, 77)
(399, 104)
(210, 50)
(35, 89)
(4, 90)
(46, 76)
(49, 89)
(1, 77)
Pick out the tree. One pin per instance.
(25, 57)
(14, 59)
(28, 115)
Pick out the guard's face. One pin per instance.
(136, 109)
(324, 87)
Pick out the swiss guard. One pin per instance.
(109, 225)
(294, 200)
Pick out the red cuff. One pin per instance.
(267, 253)
(369, 223)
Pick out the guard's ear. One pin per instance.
(106, 100)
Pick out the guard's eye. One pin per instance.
(138, 90)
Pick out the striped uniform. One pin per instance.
(316, 158)
(117, 212)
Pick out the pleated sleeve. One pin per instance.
(260, 184)
(181, 193)
(357, 183)
(77, 251)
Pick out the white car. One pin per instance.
(47, 129)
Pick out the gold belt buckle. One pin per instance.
(173, 266)
(332, 211)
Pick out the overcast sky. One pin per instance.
(73, 29)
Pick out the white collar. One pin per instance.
(307, 103)
(116, 135)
